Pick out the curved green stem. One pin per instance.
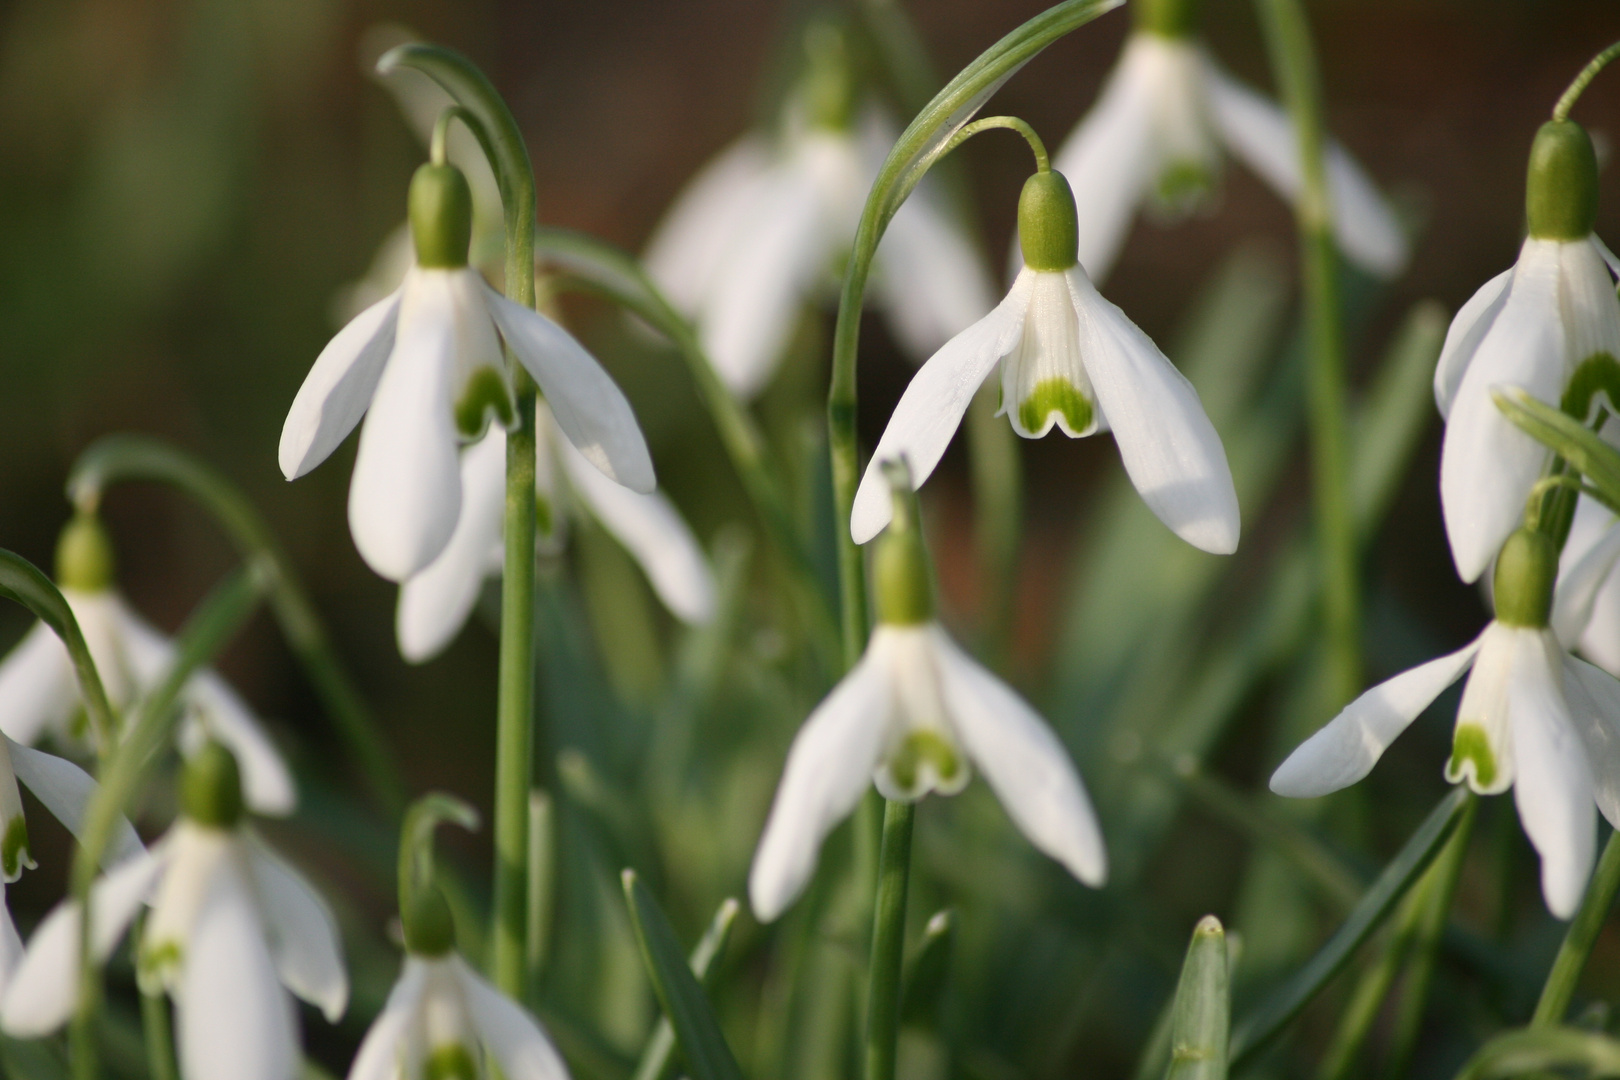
(1577, 87)
(22, 581)
(1043, 163)
(416, 839)
(1579, 939)
(888, 941)
(124, 457)
(438, 144)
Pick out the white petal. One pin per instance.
(589, 407)
(11, 812)
(1046, 358)
(929, 276)
(828, 768)
(1468, 328)
(1169, 448)
(1487, 465)
(267, 784)
(66, 790)
(1023, 760)
(37, 687)
(303, 934)
(44, 990)
(1553, 788)
(434, 603)
(11, 946)
(338, 389)
(652, 530)
(1583, 570)
(1590, 309)
(380, 1051)
(1607, 255)
(1349, 745)
(1593, 696)
(233, 1019)
(513, 1037)
(705, 222)
(931, 409)
(1260, 132)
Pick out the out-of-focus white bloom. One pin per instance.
(1586, 616)
(434, 603)
(1157, 132)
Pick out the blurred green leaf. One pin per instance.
(1528, 1051)
(658, 1059)
(1201, 1022)
(924, 979)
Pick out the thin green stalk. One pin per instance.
(158, 1032)
(542, 870)
(888, 941)
(1293, 59)
(1579, 938)
(1567, 100)
(998, 520)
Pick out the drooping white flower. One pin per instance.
(434, 603)
(232, 929)
(1157, 133)
(424, 367)
(1586, 615)
(1068, 358)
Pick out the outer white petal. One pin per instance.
(652, 530)
(828, 767)
(513, 1037)
(434, 604)
(931, 409)
(1553, 787)
(11, 946)
(1468, 328)
(1110, 158)
(1593, 696)
(589, 407)
(234, 1020)
(1259, 132)
(929, 275)
(44, 990)
(65, 790)
(1487, 465)
(1346, 749)
(1587, 301)
(1023, 760)
(304, 936)
(338, 389)
(1607, 255)
(37, 687)
(1583, 570)
(1170, 449)
(704, 223)
(380, 1051)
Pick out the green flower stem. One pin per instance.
(1567, 100)
(22, 581)
(1293, 60)
(998, 519)
(1579, 938)
(157, 1029)
(888, 941)
(497, 132)
(125, 457)
(1043, 162)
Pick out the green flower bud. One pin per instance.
(905, 591)
(1526, 572)
(1167, 18)
(211, 787)
(84, 555)
(441, 216)
(1048, 230)
(429, 928)
(1560, 194)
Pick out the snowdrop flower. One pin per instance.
(1586, 613)
(232, 928)
(915, 715)
(1068, 358)
(435, 603)
(1532, 718)
(1534, 325)
(1158, 130)
(39, 694)
(763, 226)
(424, 366)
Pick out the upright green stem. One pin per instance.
(888, 941)
(157, 1032)
(1294, 62)
(1579, 939)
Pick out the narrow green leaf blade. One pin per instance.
(658, 1060)
(1202, 1020)
(1529, 1051)
(1567, 437)
(924, 978)
(22, 581)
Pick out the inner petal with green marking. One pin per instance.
(1472, 757)
(14, 848)
(484, 396)
(1043, 379)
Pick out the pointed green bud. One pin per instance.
(1561, 192)
(905, 591)
(429, 928)
(827, 89)
(211, 787)
(1167, 18)
(84, 555)
(441, 216)
(1048, 230)
(1526, 571)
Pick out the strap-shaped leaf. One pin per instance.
(696, 1029)
(1201, 1022)
(1529, 1051)
(1567, 437)
(658, 1059)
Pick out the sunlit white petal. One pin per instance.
(511, 1035)
(1593, 697)
(381, 1050)
(37, 689)
(303, 934)
(65, 790)
(1581, 578)
(706, 222)
(1468, 328)
(339, 388)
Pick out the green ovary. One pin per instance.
(156, 959)
(1055, 395)
(452, 1061)
(485, 392)
(14, 848)
(1470, 743)
(919, 747)
(1183, 184)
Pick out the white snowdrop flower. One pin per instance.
(1535, 325)
(39, 694)
(1068, 358)
(232, 929)
(424, 366)
(434, 604)
(915, 715)
(1157, 133)
(1586, 613)
(765, 225)
(1532, 718)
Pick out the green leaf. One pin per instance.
(703, 1047)
(924, 978)
(1582, 448)
(1534, 1050)
(22, 581)
(1201, 1022)
(658, 1059)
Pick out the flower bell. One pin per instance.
(1586, 615)
(916, 714)
(39, 695)
(1532, 717)
(424, 366)
(232, 929)
(1069, 359)
(1535, 325)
